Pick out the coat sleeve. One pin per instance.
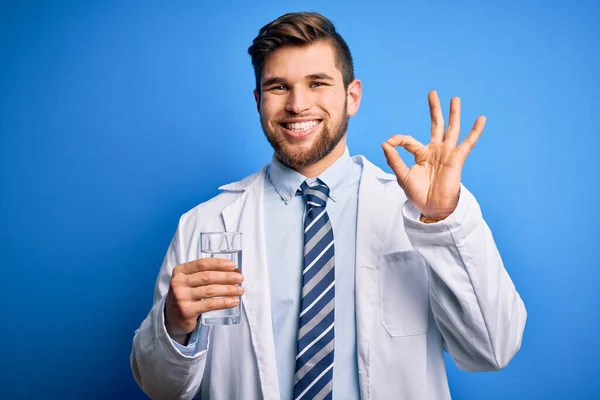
(159, 366)
(475, 304)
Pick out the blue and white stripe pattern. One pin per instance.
(315, 347)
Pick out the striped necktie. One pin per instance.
(314, 356)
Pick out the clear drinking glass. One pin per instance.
(227, 245)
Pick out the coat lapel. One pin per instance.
(246, 215)
(373, 226)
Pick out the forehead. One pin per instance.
(296, 62)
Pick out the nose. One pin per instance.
(298, 101)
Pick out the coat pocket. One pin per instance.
(404, 293)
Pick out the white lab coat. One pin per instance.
(420, 289)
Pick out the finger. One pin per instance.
(395, 162)
(467, 145)
(206, 292)
(409, 143)
(437, 118)
(205, 264)
(453, 132)
(205, 278)
(212, 304)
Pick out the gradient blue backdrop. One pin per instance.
(117, 117)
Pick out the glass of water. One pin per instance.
(227, 245)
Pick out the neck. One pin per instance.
(314, 170)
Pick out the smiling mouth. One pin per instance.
(299, 127)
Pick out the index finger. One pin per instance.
(207, 264)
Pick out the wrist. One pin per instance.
(427, 220)
(178, 335)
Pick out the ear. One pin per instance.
(354, 94)
(257, 99)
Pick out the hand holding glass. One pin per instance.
(226, 245)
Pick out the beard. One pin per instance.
(297, 158)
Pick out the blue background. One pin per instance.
(117, 117)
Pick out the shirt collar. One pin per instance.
(287, 181)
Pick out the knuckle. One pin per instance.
(207, 277)
(178, 281)
(173, 284)
(182, 293)
(222, 262)
(212, 304)
(209, 291)
(177, 295)
(177, 270)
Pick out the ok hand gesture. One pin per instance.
(433, 183)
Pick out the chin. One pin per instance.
(296, 158)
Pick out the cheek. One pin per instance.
(333, 103)
(273, 101)
(269, 108)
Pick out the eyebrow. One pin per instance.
(272, 81)
(277, 79)
(320, 75)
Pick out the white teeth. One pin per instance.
(301, 126)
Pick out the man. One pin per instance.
(354, 280)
